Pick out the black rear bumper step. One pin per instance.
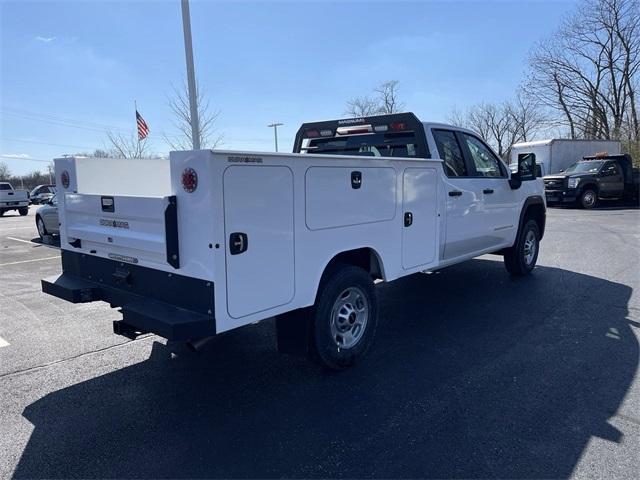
(139, 315)
(173, 306)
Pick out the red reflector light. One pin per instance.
(189, 180)
(397, 126)
(64, 179)
(312, 134)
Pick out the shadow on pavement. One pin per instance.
(473, 374)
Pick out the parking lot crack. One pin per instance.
(74, 357)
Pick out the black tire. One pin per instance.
(518, 259)
(346, 296)
(42, 231)
(23, 211)
(1, 213)
(588, 198)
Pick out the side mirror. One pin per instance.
(526, 171)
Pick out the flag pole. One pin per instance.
(135, 105)
(191, 76)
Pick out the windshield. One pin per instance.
(584, 167)
(402, 144)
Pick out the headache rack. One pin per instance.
(342, 128)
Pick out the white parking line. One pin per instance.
(27, 261)
(3, 343)
(21, 240)
(34, 243)
(20, 228)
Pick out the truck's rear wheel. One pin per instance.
(23, 211)
(588, 199)
(522, 257)
(345, 317)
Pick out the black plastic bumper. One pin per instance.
(561, 196)
(172, 306)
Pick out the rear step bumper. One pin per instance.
(172, 306)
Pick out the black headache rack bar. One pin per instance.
(173, 306)
(413, 124)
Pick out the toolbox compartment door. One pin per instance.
(420, 227)
(259, 234)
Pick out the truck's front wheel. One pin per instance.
(345, 317)
(588, 199)
(522, 257)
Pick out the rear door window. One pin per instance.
(451, 153)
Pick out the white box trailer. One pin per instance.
(209, 241)
(555, 155)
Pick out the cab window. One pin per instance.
(485, 162)
(451, 153)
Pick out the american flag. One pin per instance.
(143, 129)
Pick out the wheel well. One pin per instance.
(365, 258)
(536, 212)
(592, 186)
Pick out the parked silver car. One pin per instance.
(47, 218)
(42, 194)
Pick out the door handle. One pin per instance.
(408, 219)
(487, 190)
(455, 193)
(238, 243)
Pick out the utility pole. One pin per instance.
(275, 131)
(191, 76)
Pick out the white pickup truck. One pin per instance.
(11, 199)
(209, 241)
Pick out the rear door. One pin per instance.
(258, 221)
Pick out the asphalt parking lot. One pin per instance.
(473, 374)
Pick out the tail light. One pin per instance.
(398, 126)
(189, 180)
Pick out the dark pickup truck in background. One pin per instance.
(594, 178)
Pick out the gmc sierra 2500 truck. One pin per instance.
(212, 240)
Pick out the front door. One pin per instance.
(465, 213)
(500, 202)
(611, 180)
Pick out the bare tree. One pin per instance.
(501, 125)
(362, 107)
(5, 173)
(587, 72)
(179, 105)
(126, 146)
(388, 97)
(385, 101)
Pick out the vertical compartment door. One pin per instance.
(420, 217)
(258, 220)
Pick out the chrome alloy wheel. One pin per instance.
(530, 247)
(589, 199)
(349, 317)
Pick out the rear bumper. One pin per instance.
(169, 305)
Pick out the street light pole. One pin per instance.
(191, 76)
(275, 131)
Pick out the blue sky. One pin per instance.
(69, 64)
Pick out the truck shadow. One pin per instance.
(472, 375)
